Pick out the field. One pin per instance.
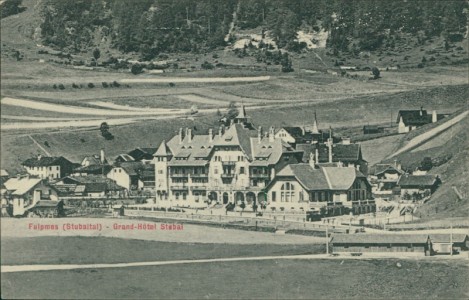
(276, 279)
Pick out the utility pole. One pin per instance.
(451, 239)
(327, 240)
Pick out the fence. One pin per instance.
(227, 219)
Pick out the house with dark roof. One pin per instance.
(309, 187)
(372, 129)
(330, 153)
(383, 178)
(422, 185)
(93, 164)
(409, 120)
(143, 154)
(51, 168)
(88, 186)
(420, 244)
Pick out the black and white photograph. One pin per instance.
(234, 149)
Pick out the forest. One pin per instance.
(152, 27)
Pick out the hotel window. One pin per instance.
(184, 196)
(288, 192)
(241, 170)
(274, 196)
(302, 196)
(177, 196)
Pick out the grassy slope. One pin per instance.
(77, 250)
(276, 279)
(16, 147)
(452, 144)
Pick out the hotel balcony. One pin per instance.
(179, 187)
(228, 175)
(176, 175)
(260, 176)
(228, 163)
(198, 188)
(199, 175)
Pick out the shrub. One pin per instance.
(420, 65)
(136, 69)
(90, 85)
(54, 86)
(207, 66)
(104, 84)
(116, 84)
(75, 86)
(46, 143)
(61, 86)
(172, 84)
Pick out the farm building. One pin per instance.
(423, 185)
(409, 120)
(372, 129)
(359, 243)
(442, 243)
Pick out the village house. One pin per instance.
(231, 166)
(330, 190)
(51, 168)
(91, 186)
(416, 187)
(384, 178)
(301, 135)
(372, 129)
(443, 243)
(409, 120)
(381, 243)
(24, 192)
(93, 164)
(141, 154)
(331, 154)
(126, 174)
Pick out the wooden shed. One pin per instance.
(361, 243)
(443, 243)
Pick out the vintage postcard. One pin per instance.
(234, 149)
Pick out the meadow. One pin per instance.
(272, 279)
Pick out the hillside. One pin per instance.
(448, 151)
(312, 34)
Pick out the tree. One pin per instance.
(426, 164)
(232, 110)
(96, 53)
(104, 127)
(376, 73)
(136, 69)
(286, 63)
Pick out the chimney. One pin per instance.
(434, 116)
(317, 155)
(421, 110)
(312, 161)
(259, 134)
(39, 156)
(340, 164)
(103, 158)
(210, 135)
(220, 131)
(303, 131)
(271, 134)
(329, 145)
(231, 122)
(181, 136)
(189, 134)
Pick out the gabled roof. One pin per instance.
(379, 239)
(142, 153)
(349, 153)
(417, 180)
(94, 160)
(131, 168)
(21, 186)
(446, 238)
(341, 178)
(309, 178)
(124, 157)
(3, 173)
(95, 187)
(94, 169)
(323, 178)
(383, 168)
(266, 152)
(414, 117)
(46, 161)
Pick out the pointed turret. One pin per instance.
(163, 150)
(315, 125)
